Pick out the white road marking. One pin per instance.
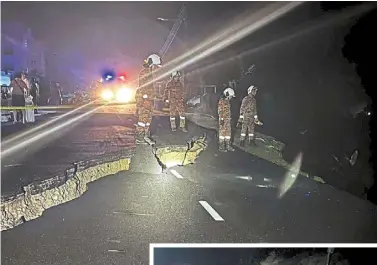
(267, 180)
(176, 174)
(14, 165)
(113, 241)
(245, 177)
(211, 211)
(266, 186)
(116, 250)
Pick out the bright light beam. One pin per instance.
(33, 139)
(224, 33)
(256, 22)
(30, 131)
(291, 176)
(323, 22)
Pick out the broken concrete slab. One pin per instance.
(267, 148)
(203, 120)
(144, 160)
(180, 155)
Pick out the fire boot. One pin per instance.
(229, 146)
(252, 142)
(222, 146)
(242, 142)
(148, 138)
(172, 124)
(182, 124)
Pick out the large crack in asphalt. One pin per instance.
(38, 197)
(180, 155)
(152, 159)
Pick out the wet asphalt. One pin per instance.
(223, 198)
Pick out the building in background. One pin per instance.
(65, 68)
(20, 51)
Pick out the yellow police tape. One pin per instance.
(111, 108)
(38, 107)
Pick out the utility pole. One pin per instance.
(173, 32)
(181, 19)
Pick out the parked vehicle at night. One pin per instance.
(115, 90)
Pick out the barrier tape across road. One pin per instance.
(39, 107)
(115, 108)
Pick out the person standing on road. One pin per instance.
(224, 111)
(249, 116)
(145, 96)
(56, 94)
(19, 92)
(29, 112)
(174, 95)
(34, 92)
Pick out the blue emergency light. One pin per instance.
(108, 76)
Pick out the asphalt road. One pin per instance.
(52, 151)
(223, 198)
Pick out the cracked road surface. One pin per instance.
(223, 198)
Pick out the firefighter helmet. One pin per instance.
(251, 89)
(153, 60)
(176, 74)
(229, 93)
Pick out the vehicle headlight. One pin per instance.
(107, 94)
(124, 94)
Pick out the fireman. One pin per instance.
(145, 97)
(174, 95)
(225, 120)
(249, 116)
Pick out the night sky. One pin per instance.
(119, 31)
(102, 30)
(68, 21)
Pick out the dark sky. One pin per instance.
(104, 32)
(57, 23)
(51, 21)
(116, 34)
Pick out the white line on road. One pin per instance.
(245, 177)
(266, 186)
(176, 174)
(267, 180)
(113, 240)
(211, 211)
(116, 250)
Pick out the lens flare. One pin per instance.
(124, 94)
(291, 176)
(107, 94)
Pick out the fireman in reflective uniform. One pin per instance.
(225, 120)
(249, 116)
(174, 95)
(145, 97)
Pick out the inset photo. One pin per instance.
(261, 254)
